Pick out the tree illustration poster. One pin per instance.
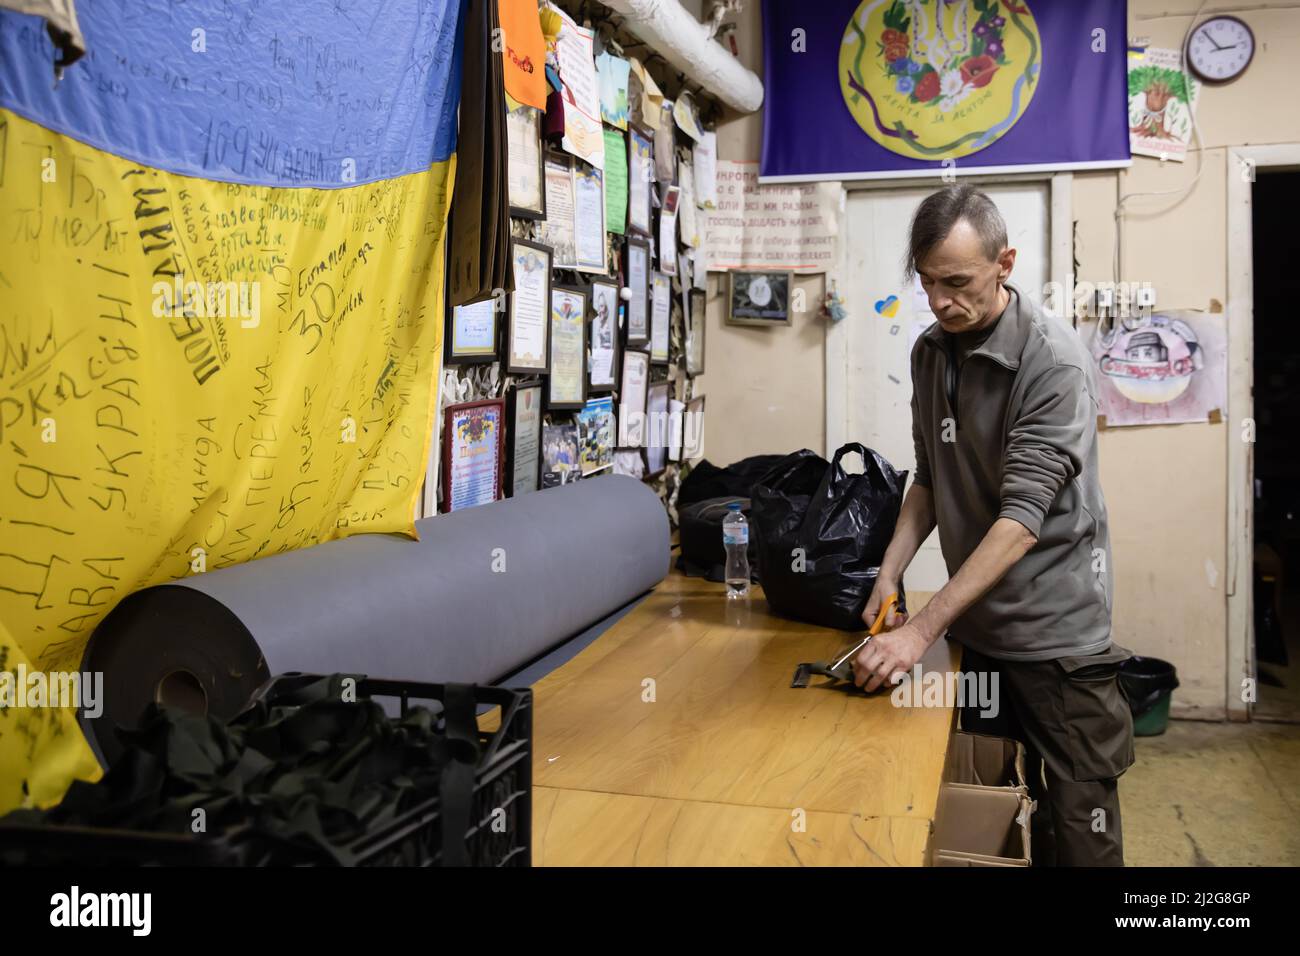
(1161, 98)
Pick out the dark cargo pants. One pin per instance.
(1074, 720)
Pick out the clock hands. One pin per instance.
(1207, 47)
(1218, 48)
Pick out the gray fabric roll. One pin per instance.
(483, 592)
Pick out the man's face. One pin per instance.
(963, 285)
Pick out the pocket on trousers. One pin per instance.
(1099, 722)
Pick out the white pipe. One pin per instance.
(674, 33)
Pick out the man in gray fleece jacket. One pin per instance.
(1004, 420)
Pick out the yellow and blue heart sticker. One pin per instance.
(888, 307)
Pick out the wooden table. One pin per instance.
(675, 739)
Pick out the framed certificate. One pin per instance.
(661, 303)
(638, 280)
(472, 333)
(528, 311)
(473, 443)
(668, 229)
(524, 435)
(631, 399)
(590, 250)
(567, 382)
(759, 298)
(675, 409)
(665, 148)
(559, 229)
(561, 459)
(658, 432)
(693, 429)
(695, 307)
(640, 174)
(596, 435)
(602, 353)
(524, 158)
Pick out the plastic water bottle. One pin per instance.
(735, 538)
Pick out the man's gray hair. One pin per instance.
(941, 210)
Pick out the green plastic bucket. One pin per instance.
(1148, 684)
(1156, 720)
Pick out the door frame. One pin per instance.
(1060, 270)
(1239, 170)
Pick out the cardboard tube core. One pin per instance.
(181, 689)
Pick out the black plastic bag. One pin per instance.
(843, 524)
(706, 480)
(699, 527)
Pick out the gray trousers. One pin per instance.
(1075, 722)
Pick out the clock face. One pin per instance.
(1220, 49)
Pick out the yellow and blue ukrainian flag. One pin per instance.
(221, 308)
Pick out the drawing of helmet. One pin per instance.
(1152, 363)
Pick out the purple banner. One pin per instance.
(866, 89)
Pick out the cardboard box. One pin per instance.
(981, 826)
(953, 858)
(985, 761)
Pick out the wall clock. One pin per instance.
(1220, 49)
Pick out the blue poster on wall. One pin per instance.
(870, 89)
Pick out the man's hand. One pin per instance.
(879, 593)
(889, 654)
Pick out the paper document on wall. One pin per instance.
(1161, 104)
(771, 227)
(613, 73)
(581, 93)
(705, 157)
(615, 182)
(652, 99)
(689, 225)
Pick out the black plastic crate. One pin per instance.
(36, 845)
(502, 782)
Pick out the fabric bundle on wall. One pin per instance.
(221, 255)
(482, 592)
(480, 211)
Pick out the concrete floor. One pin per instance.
(1214, 794)
(1225, 794)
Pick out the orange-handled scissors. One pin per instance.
(887, 605)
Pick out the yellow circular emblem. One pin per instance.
(939, 79)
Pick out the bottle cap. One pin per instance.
(733, 505)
